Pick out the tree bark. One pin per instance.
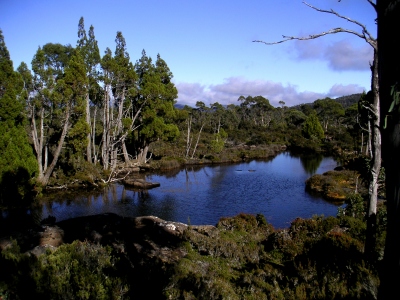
(389, 76)
(125, 151)
(188, 140)
(105, 153)
(370, 138)
(94, 136)
(143, 154)
(375, 159)
(37, 141)
(45, 179)
(46, 157)
(198, 139)
(89, 140)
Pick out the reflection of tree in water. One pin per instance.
(311, 162)
(170, 173)
(144, 203)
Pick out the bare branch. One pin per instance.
(365, 35)
(373, 5)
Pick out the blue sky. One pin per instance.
(208, 44)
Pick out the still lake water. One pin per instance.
(202, 195)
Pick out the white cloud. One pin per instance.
(190, 93)
(340, 56)
(343, 56)
(232, 88)
(339, 90)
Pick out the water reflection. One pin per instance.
(311, 162)
(204, 194)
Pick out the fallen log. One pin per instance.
(140, 183)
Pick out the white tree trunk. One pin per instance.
(89, 140)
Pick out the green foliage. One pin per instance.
(77, 137)
(329, 112)
(142, 107)
(157, 94)
(312, 128)
(295, 117)
(355, 207)
(245, 259)
(334, 185)
(217, 144)
(17, 162)
(79, 270)
(73, 271)
(88, 48)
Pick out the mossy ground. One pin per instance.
(336, 185)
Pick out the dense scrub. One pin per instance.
(242, 257)
(245, 258)
(80, 270)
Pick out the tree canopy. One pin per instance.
(17, 163)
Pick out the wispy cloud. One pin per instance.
(338, 90)
(232, 88)
(340, 56)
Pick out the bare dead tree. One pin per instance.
(375, 164)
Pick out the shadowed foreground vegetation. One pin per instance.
(243, 257)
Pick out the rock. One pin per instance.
(207, 230)
(5, 244)
(39, 250)
(140, 183)
(51, 236)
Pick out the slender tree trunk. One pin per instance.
(38, 141)
(118, 130)
(46, 157)
(142, 156)
(89, 140)
(111, 135)
(197, 141)
(362, 142)
(94, 136)
(368, 150)
(56, 154)
(125, 151)
(114, 158)
(105, 153)
(370, 242)
(188, 141)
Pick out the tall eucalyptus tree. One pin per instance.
(106, 77)
(256, 110)
(58, 84)
(119, 78)
(87, 45)
(197, 117)
(123, 88)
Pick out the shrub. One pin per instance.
(78, 271)
(355, 206)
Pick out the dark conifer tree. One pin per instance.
(17, 162)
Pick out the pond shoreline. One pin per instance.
(54, 201)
